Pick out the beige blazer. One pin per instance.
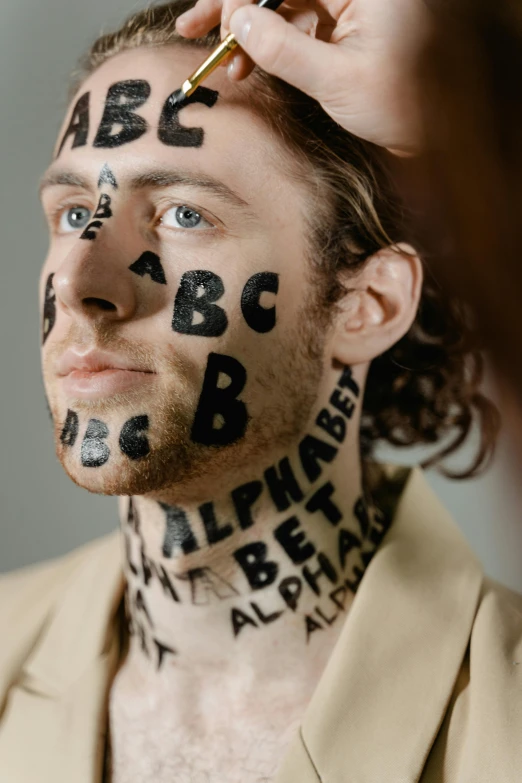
(425, 683)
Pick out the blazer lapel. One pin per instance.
(60, 700)
(384, 692)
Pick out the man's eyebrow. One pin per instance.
(163, 179)
(156, 178)
(63, 177)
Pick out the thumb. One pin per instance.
(282, 50)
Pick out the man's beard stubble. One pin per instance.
(177, 469)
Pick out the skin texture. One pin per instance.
(233, 445)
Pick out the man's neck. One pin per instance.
(265, 572)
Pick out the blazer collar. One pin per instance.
(378, 705)
(60, 699)
(386, 687)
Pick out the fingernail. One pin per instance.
(183, 17)
(240, 24)
(231, 67)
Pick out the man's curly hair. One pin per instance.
(424, 389)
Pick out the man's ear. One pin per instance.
(379, 306)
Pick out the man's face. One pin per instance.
(177, 334)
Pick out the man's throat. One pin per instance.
(199, 594)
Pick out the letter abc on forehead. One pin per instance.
(121, 123)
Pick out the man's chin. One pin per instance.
(110, 480)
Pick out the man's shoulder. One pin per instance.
(498, 623)
(28, 599)
(44, 577)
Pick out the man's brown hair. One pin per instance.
(427, 386)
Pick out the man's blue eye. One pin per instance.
(184, 217)
(74, 219)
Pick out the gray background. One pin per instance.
(42, 513)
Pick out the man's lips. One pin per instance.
(95, 374)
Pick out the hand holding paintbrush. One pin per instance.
(218, 56)
(355, 57)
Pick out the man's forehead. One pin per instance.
(157, 73)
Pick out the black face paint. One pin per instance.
(149, 264)
(293, 540)
(143, 640)
(342, 403)
(328, 620)
(259, 571)
(322, 501)
(103, 210)
(335, 426)
(360, 512)
(290, 590)
(49, 308)
(94, 451)
(70, 429)
(215, 401)
(188, 301)
(206, 584)
(214, 532)
(266, 619)
(107, 177)
(239, 620)
(311, 626)
(283, 486)
(347, 381)
(325, 569)
(178, 534)
(261, 319)
(133, 519)
(140, 604)
(170, 131)
(339, 595)
(133, 442)
(121, 101)
(89, 231)
(163, 650)
(311, 450)
(347, 541)
(243, 498)
(78, 124)
(151, 569)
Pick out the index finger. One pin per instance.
(197, 21)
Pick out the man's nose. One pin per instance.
(93, 281)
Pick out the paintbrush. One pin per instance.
(219, 54)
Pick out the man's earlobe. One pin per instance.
(380, 305)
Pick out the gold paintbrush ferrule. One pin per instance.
(219, 54)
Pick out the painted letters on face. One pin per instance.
(189, 300)
(70, 429)
(261, 319)
(170, 131)
(49, 308)
(103, 212)
(133, 441)
(215, 401)
(78, 125)
(107, 177)
(120, 104)
(178, 533)
(149, 264)
(94, 451)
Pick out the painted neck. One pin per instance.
(271, 565)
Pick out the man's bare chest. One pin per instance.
(165, 746)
